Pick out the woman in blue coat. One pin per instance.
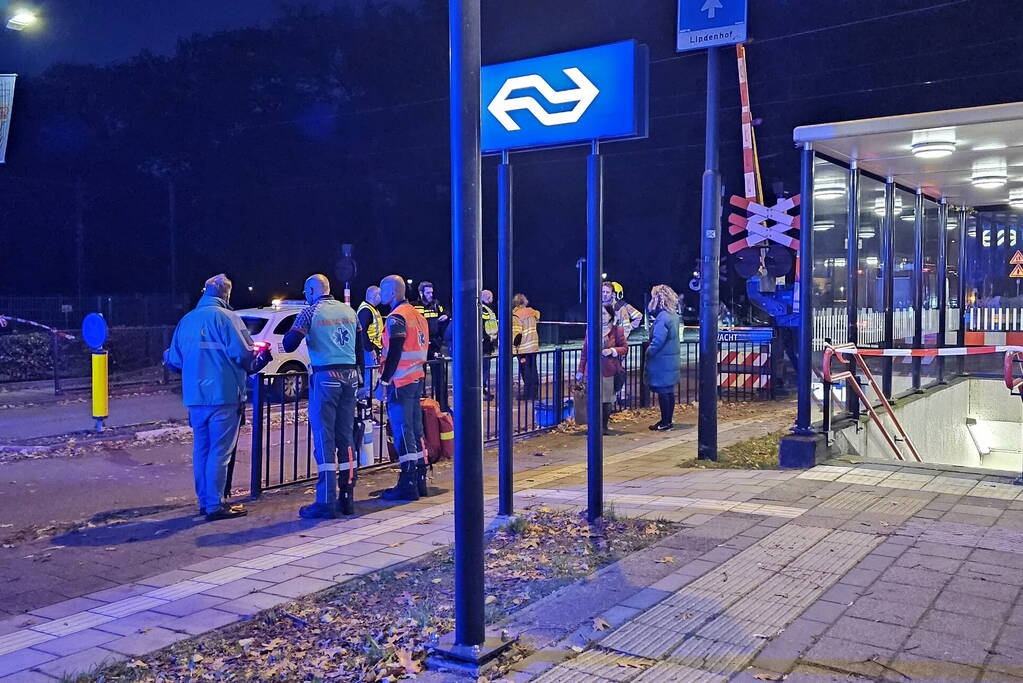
(664, 354)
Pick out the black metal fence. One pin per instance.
(282, 445)
(29, 354)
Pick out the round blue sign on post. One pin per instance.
(94, 330)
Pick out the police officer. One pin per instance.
(372, 324)
(489, 336)
(406, 341)
(435, 316)
(213, 351)
(331, 330)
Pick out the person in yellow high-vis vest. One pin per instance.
(489, 336)
(372, 324)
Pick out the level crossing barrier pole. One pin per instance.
(505, 372)
(710, 266)
(594, 332)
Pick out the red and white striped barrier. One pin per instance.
(745, 369)
(923, 353)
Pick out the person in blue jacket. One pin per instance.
(664, 354)
(214, 353)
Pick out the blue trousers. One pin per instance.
(332, 417)
(406, 417)
(214, 435)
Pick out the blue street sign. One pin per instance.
(708, 23)
(599, 93)
(94, 330)
(746, 334)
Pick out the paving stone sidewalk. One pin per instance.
(851, 572)
(142, 616)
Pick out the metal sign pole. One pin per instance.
(594, 263)
(505, 371)
(466, 238)
(710, 261)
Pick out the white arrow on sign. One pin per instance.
(711, 7)
(583, 95)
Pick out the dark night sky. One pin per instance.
(104, 31)
(370, 166)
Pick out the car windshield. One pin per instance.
(254, 325)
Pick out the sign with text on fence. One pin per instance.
(598, 93)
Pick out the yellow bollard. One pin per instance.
(100, 388)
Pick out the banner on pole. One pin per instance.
(6, 103)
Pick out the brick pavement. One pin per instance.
(885, 573)
(261, 569)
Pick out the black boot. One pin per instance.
(346, 499)
(406, 488)
(421, 485)
(606, 417)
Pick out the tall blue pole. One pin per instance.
(888, 283)
(805, 355)
(505, 371)
(710, 266)
(594, 332)
(467, 259)
(918, 282)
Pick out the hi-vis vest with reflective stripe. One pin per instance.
(376, 328)
(417, 341)
(489, 321)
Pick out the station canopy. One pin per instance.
(969, 157)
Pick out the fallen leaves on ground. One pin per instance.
(760, 453)
(380, 627)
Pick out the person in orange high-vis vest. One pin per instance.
(406, 342)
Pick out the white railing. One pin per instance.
(994, 319)
(833, 324)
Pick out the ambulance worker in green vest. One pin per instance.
(331, 330)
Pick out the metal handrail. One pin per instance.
(850, 349)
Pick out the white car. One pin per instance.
(270, 324)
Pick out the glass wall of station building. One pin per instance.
(914, 248)
(994, 282)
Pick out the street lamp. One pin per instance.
(21, 19)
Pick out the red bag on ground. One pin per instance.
(431, 428)
(447, 436)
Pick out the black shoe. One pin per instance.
(316, 511)
(407, 487)
(227, 513)
(655, 427)
(422, 488)
(663, 427)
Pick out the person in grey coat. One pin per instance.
(664, 354)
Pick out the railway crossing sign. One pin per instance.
(756, 226)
